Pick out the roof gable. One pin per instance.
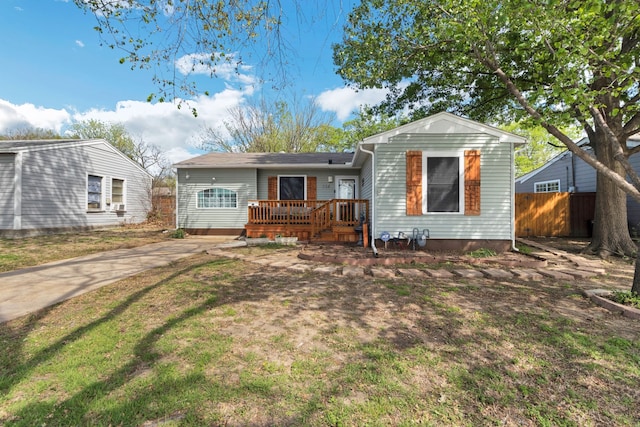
(16, 146)
(445, 123)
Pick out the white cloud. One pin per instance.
(16, 117)
(224, 68)
(344, 101)
(80, 43)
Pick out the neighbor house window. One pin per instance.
(217, 198)
(94, 192)
(292, 187)
(117, 191)
(552, 186)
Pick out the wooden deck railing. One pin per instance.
(319, 214)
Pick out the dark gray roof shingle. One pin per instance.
(229, 160)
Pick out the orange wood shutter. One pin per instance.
(414, 182)
(312, 192)
(472, 182)
(272, 188)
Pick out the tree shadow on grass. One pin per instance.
(15, 369)
(463, 329)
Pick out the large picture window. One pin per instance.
(217, 198)
(94, 192)
(292, 188)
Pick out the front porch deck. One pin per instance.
(320, 220)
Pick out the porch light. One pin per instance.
(329, 179)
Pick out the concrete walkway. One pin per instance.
(30, 289)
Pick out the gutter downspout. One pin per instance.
(177, 196)
(513, 199)
(373, 200)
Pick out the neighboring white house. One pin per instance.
(447, 174)
(56, 185)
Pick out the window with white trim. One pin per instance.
(117, 191)
(217, 198)
(94, 193)
(443, 180)
(552, 186)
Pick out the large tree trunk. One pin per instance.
(611, 230)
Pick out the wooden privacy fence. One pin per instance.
(554, 214)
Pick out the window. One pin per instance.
(117, 191)
(552, 186)
(94, 192)
(447, 182)
(443, 181)
(216, 198)
(292, 187)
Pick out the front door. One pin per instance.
(346, 189)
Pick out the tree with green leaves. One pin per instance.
(30, 133)
(271, 127)
(540, 147)
(557, 62)
(368, 122)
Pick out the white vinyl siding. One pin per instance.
(54, 183)
(240, 181)
(495, 220)
(7, 190)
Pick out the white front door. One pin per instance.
(346, 188)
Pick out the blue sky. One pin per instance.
(55, 72)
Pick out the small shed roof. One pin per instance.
(268, 160)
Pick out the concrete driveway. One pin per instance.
(30, 289)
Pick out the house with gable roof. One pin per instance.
(58, 185)
(446, 174)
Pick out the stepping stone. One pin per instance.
(439, 274)
(497, 274)
(327, 269)
(299, 267)
(350, 270)
(577, 273)
(597, 270)
(555, 274)
(412, 272)
(384, 273)
(263, 261)
(469, 273)
(281, 264)
(527, 274)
